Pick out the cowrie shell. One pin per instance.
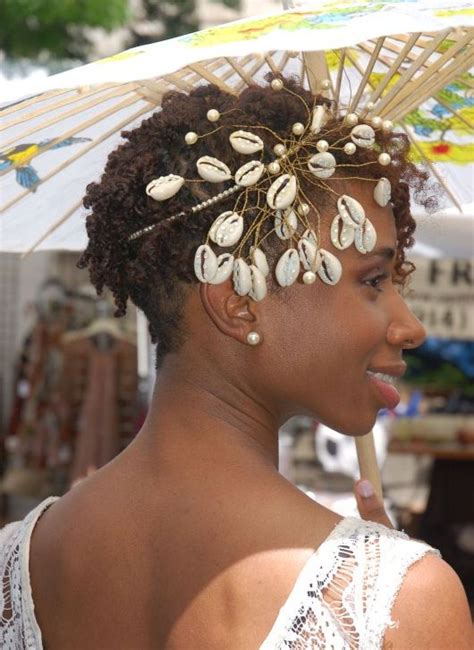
(342, 235)
(227, 229)
(322, 165)
(288, 267)
(350, 210)
(260, 260)
(205, 263)
(365, 237)
(249, 173)
(225, 264)
(258, 289)
(319, 118)
(330, 270)
(282, 192)
(286, 223)
(307, 252)
(164, 187)
(212, 170)
(241, 277)
(245, 142)
(382, 191)
(363, 136)
(311, 235)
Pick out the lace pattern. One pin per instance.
(18, 627)
(344, 595)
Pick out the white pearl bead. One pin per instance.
(376, 122)
(325, 84)
(297, 128)
(322, 145)
(277, 84)
(349, 148)
(191, 137)
(351, 119)
(387, 125)
(213, 115)
(303, 208)
(279, 149)
(253, 338)
(384, 159)
(309, 277)
(274, 167)
(370, 106)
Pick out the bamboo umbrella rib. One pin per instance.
(179, 80)
(179, 83)
(63, 165)
(271, 63)
(369, 67)
(52, 228)
(302, 72)
(150, 96)
(428, 75)
(80, 127)
(340, 71)
(212, 78)
(394, 69)
(410, 72)
(316, 69)
(259, 63)
(387, 51)
(239, 70)
(443, 103)
(74, 111)
(31, 101)
(54, 106)
(459, 65)
(433, 169)
(460, 117)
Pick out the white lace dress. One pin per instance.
(341, 600)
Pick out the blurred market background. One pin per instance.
(49, 310)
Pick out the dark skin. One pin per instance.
(191, 538)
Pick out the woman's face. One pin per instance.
(320, 340)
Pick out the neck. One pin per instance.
(207, 420)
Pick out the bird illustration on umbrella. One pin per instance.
(21, 156)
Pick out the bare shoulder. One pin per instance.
(431, 609)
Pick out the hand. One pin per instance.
(369, 505)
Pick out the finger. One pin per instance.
(369, 505)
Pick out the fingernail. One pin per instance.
(365, 489)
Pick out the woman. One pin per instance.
(191, 538)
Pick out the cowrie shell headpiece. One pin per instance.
(306, 153)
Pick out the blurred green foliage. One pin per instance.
(31, 27)
(55, 28)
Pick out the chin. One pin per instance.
(352, 426)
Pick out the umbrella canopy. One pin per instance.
(406, 61)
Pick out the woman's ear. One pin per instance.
(232, 314)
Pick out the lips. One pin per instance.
(381, 378)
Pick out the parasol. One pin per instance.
(406, 61)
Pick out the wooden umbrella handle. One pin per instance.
(368, 461)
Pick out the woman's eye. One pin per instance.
(376, 281)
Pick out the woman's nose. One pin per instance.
(405, 330)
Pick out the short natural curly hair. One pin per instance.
(156, 270)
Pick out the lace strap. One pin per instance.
(396, 556)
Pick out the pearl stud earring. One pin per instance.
(253, 338)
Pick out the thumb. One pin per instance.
(370, 506)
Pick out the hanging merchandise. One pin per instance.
(98, 394)
(75, 394)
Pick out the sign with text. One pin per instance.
(441, 295)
